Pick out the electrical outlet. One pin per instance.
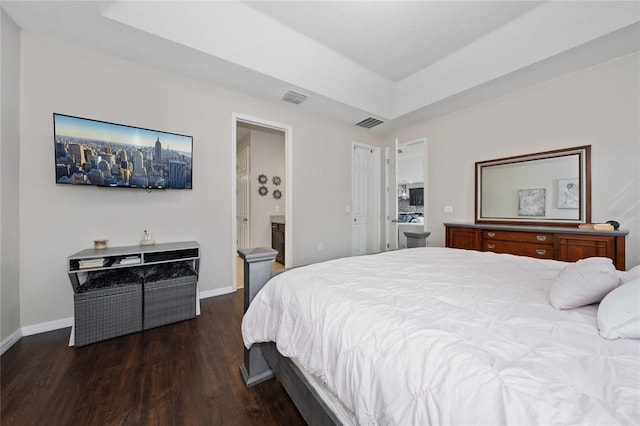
(320, 246)
(277, 209)
(448, 209)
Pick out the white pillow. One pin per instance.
(630, 275)
(582, 283)
(619, 312)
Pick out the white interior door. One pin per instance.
(391, 194)
(242, 198)
(365, 184)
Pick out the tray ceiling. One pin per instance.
(400, 62)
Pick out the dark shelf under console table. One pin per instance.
(122, 290)
(544, 242)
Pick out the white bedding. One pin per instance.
(433, 336)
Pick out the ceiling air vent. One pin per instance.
(369, 122)
(294, 97)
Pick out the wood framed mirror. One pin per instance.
(551, 188)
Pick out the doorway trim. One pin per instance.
(390, 193)
(288, 137)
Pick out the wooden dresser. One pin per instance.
(566, 244)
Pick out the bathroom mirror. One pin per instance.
(545, 188)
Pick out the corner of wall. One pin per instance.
(9, 183)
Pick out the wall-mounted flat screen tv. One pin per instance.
(92, 152)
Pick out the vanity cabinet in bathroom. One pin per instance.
(277, 240)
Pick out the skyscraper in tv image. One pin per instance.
(90, 152)
(157, 151)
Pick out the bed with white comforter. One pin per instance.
(435, 336)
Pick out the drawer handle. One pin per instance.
(541, 251)
(491, 246)
(491, 234)
(541, 237)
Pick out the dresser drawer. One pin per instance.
(541, 251)
(524, 237)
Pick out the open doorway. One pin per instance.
(406, 177)
(261, 189)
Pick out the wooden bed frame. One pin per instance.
(263, 361)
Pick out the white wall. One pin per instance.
(410, 166)
(57, 220)
(9, 194)
(598, 106)
(267, 151)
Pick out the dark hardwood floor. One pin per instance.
(180, 374)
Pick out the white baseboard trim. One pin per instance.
(216, 292)
(10, 341)
(68, 322)
(47, 326)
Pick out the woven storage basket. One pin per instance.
(168, 301)
(106, 313)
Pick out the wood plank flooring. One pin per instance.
(180, 374)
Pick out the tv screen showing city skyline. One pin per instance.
(93, 152)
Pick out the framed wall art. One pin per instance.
(568, 194)
(532, 202)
